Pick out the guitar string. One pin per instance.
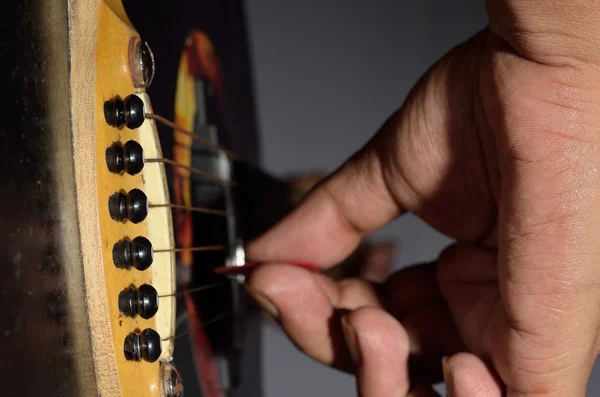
(190, 208)
(192, 249)
(190, 291)
(197, 137)
(198, 180)
(205, 324)
(193, 170)
(207, 175)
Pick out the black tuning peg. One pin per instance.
(128, 112)
(128, 158)
(145, 345)
(132, 206)
(137, 253)
(142, 301)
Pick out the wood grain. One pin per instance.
(83, 22)
(99, 38)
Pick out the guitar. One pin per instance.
(129, 173)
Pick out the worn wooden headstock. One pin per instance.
(129, 275)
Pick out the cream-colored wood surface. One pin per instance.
(160, 230)
(99, 39)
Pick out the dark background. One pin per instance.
(326, 75)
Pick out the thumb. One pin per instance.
(416, 162)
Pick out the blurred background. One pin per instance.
(327, 74)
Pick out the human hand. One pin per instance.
(370, 261)
(497, 147)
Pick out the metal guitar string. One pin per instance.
(192, 249)
(213, 320)
(194, 290)
(192, 170)
(182, 130)
(221, 270)
(208, 177)
(190, 208)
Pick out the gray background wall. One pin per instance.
(327, 74)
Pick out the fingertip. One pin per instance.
(303, 309)
(466, 375)
(376, 327)
(263, 301)
(382, 349)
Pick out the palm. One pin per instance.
(494, 197)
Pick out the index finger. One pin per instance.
(331, 222)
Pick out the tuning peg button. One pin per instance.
(128, 158)
(127, 112)
(134, 111)
(114, 112)
(114, 158)
(133, 157)
(132, 206)
(142, 301)
(143, 346)
(137, 253)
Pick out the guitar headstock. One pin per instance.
(129, 272)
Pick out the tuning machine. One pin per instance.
(127, 112)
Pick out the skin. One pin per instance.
(498, 147)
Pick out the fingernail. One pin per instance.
(351, 340)
(447, 377)
(264, 302)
